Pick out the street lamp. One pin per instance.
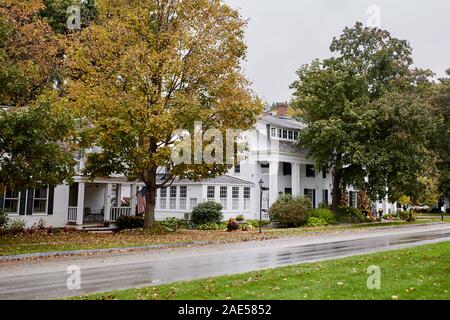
(261, 185)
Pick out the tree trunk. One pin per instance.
(337, 195)
(149, 217)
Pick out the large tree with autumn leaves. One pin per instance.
(148, 68)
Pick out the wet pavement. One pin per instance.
(49, 279)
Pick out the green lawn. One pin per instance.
(416, 273)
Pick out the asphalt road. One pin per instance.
(48, 278)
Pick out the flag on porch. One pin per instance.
(141, 202)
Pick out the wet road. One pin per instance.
(48, 279)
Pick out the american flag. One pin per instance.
(141, 202)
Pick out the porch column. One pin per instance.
(295, 179)
(107, 216)
(133, 199)
(80, 203)
(273, 182)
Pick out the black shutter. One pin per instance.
(314, 198)
(2, 201)
(51, 197)
(30, 202)
(22, 202)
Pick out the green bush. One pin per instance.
(408, 216)
(130, 222)
(212, 226)
(3, 218)
(349, 215)
(240, 218)
(174, 224)
(208, 212)
(255, 223)
(290, 211)
(316, 222)
(323, 214)
(17, 226)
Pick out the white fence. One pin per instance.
(117, 212)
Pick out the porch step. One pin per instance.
(98, 228)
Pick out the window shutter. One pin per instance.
(30, 202)
(2, 202)
(314, 198)
(51, 197)
(22, 202)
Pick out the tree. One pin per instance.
(35, 148)
(148, 69)
(367, 114)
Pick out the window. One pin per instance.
(287, 169)
(210, 193)
(285, 134)
(237, 168)
(353, 199)
(280, 133)
(235, 198)
(40, 201)
(310, 171)
(273, 132)
(162, 198)
(288, 191)
(183, 196)
(11, 204)
(265, 168)
(325, 196)
(324, 173)
(192, 203)
(173, 197)
(295, 135)
(246, 198)
(223, 197)
(311, 194)
(290, 135)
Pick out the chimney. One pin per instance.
(282, 109)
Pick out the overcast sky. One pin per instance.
(284, 34)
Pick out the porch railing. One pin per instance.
(117, 212)
(72, 214)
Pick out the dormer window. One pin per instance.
(283, 134)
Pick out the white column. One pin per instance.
(108, 202)
(80, 203)
(295, 179)
(273, 181)
(133, 199)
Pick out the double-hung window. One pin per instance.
(235, 198)
(11, 202)
(162, 198)
(210, 193)
(224, 197)
(173, 197)
(246, 198)
(183, 197)
(40, 201)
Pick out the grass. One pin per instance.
(65, 241)
(415, 273)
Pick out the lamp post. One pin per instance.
(261, 184)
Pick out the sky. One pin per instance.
(282, 35)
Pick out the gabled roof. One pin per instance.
(282, 122)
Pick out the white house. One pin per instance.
(271, 156)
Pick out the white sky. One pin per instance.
(284, 34)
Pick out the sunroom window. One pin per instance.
(40, 201)
(11, 202)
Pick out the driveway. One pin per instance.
(46, 279)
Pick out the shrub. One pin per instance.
(349, 215)
(324, 214)
(240, 218)
(208, 212)
(255, 223)
(174, 223)
(232, 225)
(212, 226)
(3, 218)
(129, 222)
(324, 205)
(408, 216)
(316, 222)
(290, 211)
(17, 226)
